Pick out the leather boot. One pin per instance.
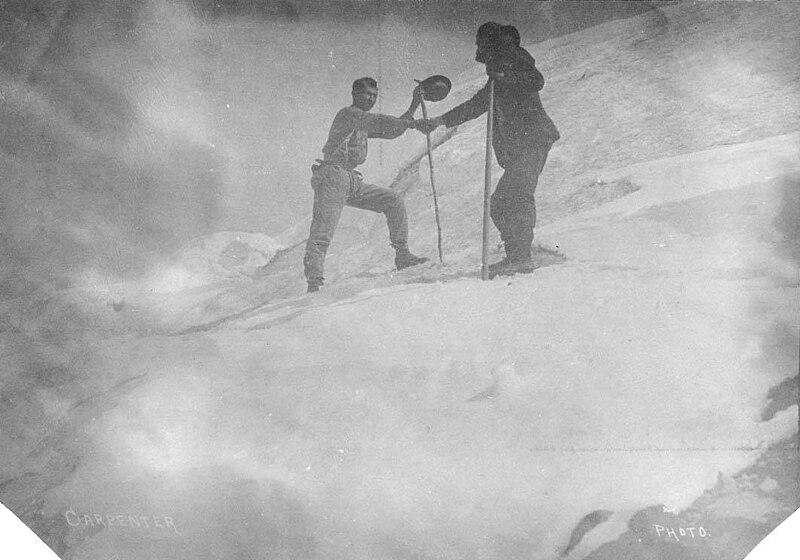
(499, 264)
(405, 259)
(518, 260)
(513, 267)
(314, 285)
(505, 261)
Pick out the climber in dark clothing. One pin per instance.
(523, 135)
(337, 184)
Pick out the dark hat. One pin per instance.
(435, 88)
(490, 32)
(512, 33)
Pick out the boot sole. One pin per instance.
(496, 273)
(410, 265)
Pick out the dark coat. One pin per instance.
(520, 122)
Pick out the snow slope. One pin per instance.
(427, 414)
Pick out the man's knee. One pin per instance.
(502, 201)
(496, 209)
(394, 200)
(525, 175)
(529, 172)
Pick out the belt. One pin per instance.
(319, 163)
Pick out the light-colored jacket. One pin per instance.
(347, 139)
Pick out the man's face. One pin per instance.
(365, 98)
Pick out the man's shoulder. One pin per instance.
(345, 117)
(350, 110)
(523, 55)
(349, 115)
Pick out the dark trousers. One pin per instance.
(513, 208)
(334, 188)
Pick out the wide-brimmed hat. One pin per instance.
(435, 88)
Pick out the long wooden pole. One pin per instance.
(487, 186)
(433, 186)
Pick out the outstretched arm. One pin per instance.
(376, 125)
(386, 126)
(392, 127)
(470, 109)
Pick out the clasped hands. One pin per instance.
(426, 126)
